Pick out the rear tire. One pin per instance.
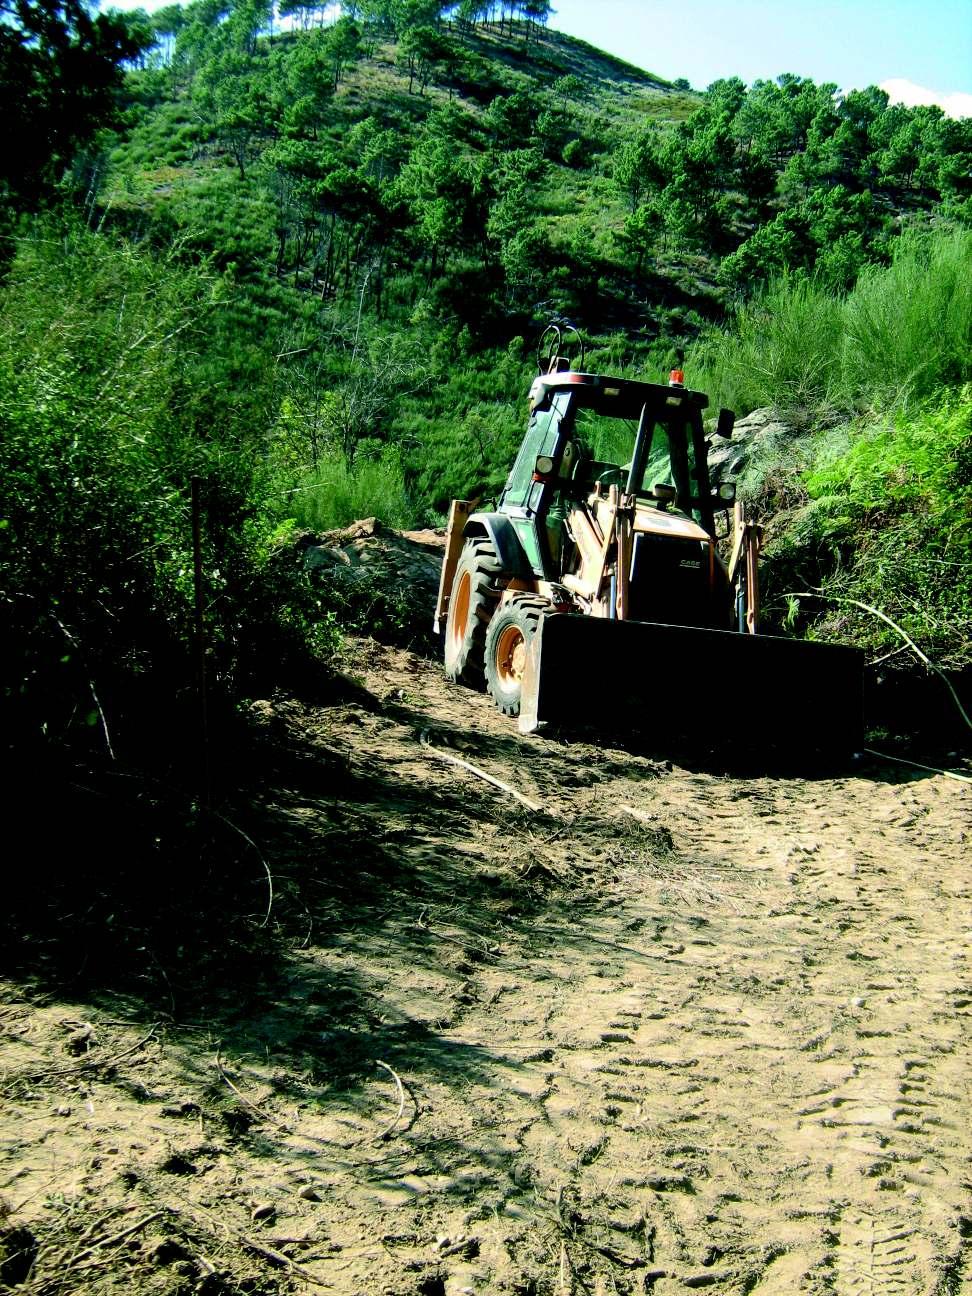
(507, 644)
(472, 602)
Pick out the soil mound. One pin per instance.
(385, 581)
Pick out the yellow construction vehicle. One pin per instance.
(595, 593)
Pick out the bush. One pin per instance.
(106, 418)
(900, 333)
(887, 525)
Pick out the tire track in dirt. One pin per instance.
(887, 1127)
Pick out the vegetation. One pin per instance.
(901, 334)
(870, 492)
(886, 526)
(298, 260)
(108, 414)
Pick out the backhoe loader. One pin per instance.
(595, 595)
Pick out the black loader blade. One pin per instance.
(694, 685)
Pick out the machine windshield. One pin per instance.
(609, 443)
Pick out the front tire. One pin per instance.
(471, 605)
(507, 644)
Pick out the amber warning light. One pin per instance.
(676, 378)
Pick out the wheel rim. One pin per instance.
(510, 655)
(460, 610)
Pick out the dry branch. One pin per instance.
(401, 1099)
(479, 773)
(116, 1237)
(263, 1115)
(259, 854)
(283, 1261)
(247, 1102)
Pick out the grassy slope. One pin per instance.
(170, 175)
(475, 398)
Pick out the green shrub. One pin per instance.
(921, 462)
(900, 333)
(887, 524)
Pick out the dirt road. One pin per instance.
(677, 1031)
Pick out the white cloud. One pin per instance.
(956, 104)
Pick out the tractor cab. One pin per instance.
(590, 435)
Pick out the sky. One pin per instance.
(912, 47)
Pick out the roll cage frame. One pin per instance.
(555, 400)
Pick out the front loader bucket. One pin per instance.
(713, 686)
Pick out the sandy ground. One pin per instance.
(677, 1030)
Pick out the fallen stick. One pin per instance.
(284, 1261)
(248, 1103)
(259, 1112)
(259, 854)
(401, 1100)
(480, 773)
(116, 1237)
(933, 769)
(487, 950)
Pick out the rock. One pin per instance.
(80, 1040)
(728, 460)
(263, 1211)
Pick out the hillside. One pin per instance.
(307, 267)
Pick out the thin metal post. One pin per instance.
(199, 637)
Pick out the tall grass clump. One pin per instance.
(908, 326)
(782, 349)
(335, 494)
(900, 333)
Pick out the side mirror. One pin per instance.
(727, 421)
(544, 466)
(726, 494)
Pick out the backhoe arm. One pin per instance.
(747, 537)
